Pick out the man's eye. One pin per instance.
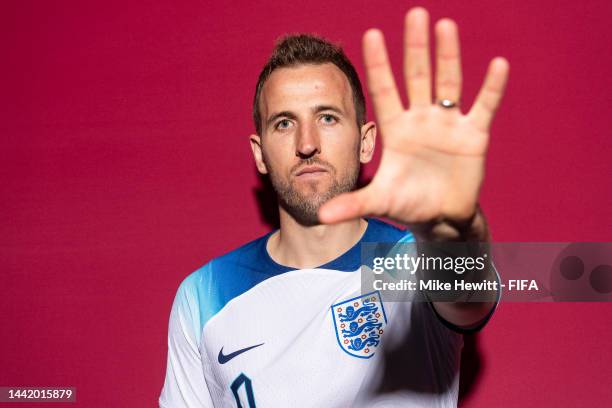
(283, 124)
(329, 119)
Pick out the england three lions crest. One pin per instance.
(359, 324)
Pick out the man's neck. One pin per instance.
(298, 246)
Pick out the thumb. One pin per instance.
(348, 206)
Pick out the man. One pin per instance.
(280, 321)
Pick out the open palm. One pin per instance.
(433, 157)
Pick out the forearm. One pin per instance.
(462, 312)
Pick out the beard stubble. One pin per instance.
(304, 206)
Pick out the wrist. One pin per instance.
(474, 228)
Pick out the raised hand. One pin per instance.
(433, 156)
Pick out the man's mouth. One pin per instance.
(311, 171)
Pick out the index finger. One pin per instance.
(386, 100)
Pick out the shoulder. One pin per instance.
(227, 267)
(381, 231)
(205, 291)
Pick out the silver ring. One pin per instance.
(448, 104)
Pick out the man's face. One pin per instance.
(310, 143)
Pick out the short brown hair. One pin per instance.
(297, 49)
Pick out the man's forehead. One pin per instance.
(296, 87)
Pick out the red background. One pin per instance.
(125, 166)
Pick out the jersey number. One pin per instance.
(243, 379)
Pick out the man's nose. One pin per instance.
(308, 142)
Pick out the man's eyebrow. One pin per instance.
(321, 108)
(283, 114)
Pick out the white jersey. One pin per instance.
(247, 332)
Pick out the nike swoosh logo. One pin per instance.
(224, 358)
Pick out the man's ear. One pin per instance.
(367, 142)
(257, 153)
